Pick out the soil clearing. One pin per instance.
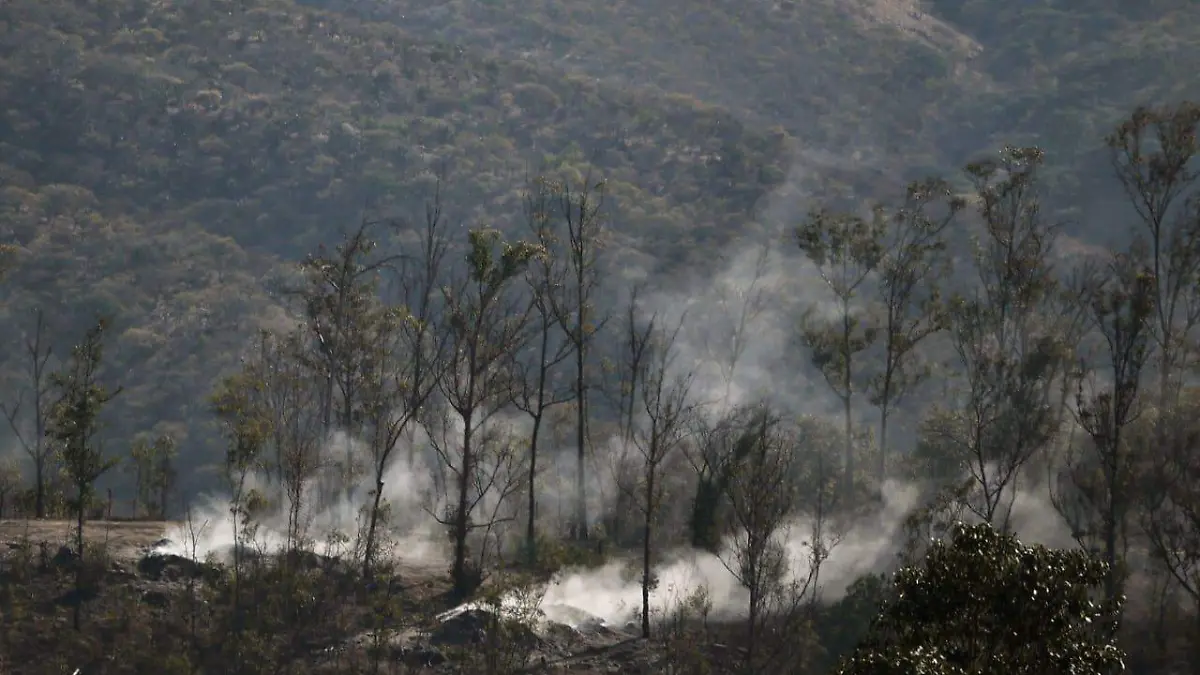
(124, 539)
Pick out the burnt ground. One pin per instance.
(122, 539)
(432, 637)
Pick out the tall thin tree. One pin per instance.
(33, 441)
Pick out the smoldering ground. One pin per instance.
(736, 341)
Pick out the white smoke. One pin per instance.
(331, 515)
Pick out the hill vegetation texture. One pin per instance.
(810, 336)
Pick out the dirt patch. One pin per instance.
(124, 539)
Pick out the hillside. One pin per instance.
(159, 160)
(484, 455)
(165, 163)
(903, 85)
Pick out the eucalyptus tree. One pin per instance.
(339, 300)
(1154, 154)
(487, 321)
(981, 602)
(1013, 336)
(846, 251)
(914, 255)
(665, 407)
(578, 315)
(1098, 496)
(72, 425)
(542, 386)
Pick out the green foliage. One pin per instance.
(75, 417)
(492, 271)
(982, 602)
(153, 466)
(244, 420)
(186, 157)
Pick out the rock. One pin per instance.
(170, 567)
(64, 556)
(467, 627)
(155, 598)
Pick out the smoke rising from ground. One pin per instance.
(738, 338)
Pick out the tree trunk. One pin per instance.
(461, 522)
(39, 490)
(531, 522)
(369, 548)
(648, 524)
(884, 413)
(79, 514)
(581, 515)
(848, 472)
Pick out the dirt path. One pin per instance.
(121, 537)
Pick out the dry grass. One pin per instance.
(120, 537)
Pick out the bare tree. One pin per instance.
(541, 388)
(846, 251)
(1012, 345)
(487, 323)
(1120, 310)
(33, 441)
(578, 316)
(407, 353)
(665, 411)
(737, 306)
(629, 373)
(913, 255)
(1153, 153)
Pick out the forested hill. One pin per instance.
(161, 161)
(909, 85)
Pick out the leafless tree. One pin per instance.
(542, 388)
(406, 354)
(292, 403)
(582, 212)
(665, 409)
(725, 328)
(628, 374)
(33, 440)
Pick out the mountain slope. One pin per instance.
(908, 86)
(158, 161)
